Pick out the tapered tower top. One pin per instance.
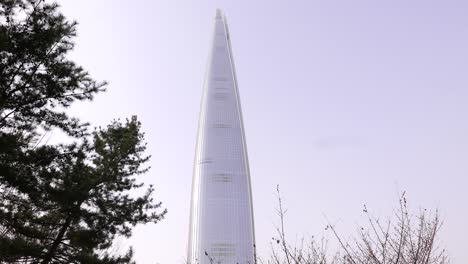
(219, 14)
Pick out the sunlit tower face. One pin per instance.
(221, 217)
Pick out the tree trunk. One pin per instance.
(48, 257)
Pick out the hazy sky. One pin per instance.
(345, 103)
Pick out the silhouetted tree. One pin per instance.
(60, 203)
(63, 203)
(36, 79)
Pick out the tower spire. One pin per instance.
(219, 13)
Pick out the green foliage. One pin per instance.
(35, 75)
(61, 203)
(69, 201)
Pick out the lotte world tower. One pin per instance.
(221, 218)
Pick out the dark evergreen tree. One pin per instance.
(36, 78)
(64, 204)
(60, 203)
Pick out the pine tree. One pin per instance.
(61, 203)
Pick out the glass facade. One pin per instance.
(221, 218)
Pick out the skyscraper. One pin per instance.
(221, 217)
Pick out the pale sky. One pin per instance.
(345, 103)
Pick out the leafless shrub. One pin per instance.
(305, 251)
(404, 239)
